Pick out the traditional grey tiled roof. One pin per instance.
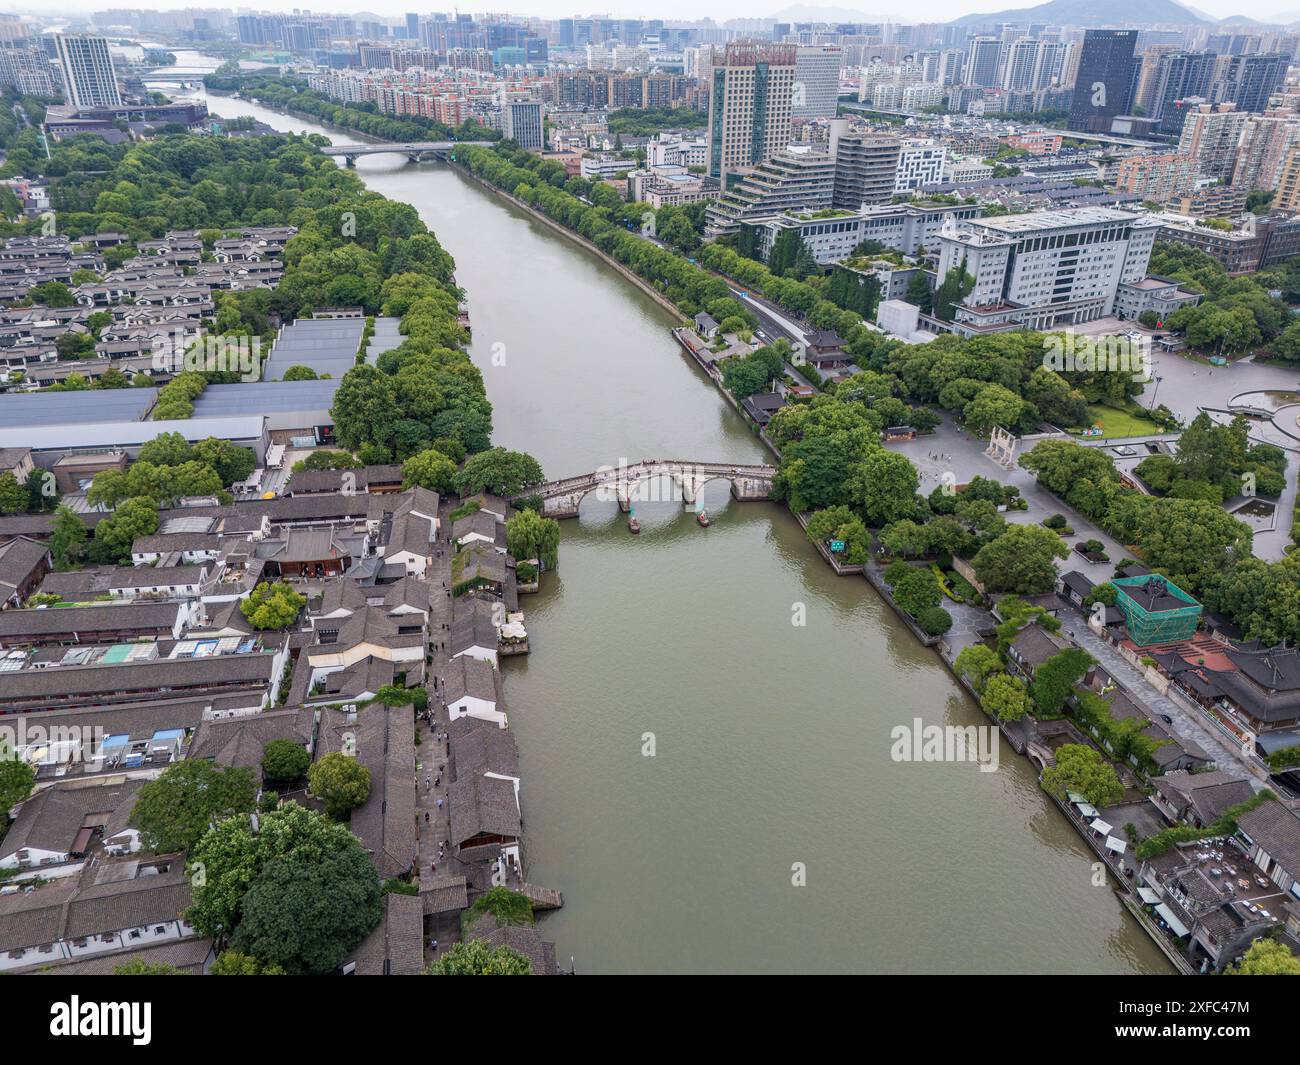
(482, 805)
(473, 677)
(93, 681)
(305, 481)
(373, 625)
(1035, 645)
(472, 625)
(106, 897)
(1276, 829)
(479, 747)
(88, 620)
(396, 946)
(240, 741)
(478, 561)
(18, 558)
(444, 894)
(51, 819)
(480, 522)
(1208, 795)
(108, 905)
(384, 741)
(187, 955)
(522, 938)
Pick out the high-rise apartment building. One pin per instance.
(750, 105)
(521, 122)
(1266, 142)
(1288, 184)
(1104, 84)
(983, 57)
(88, 72)
(1249, 80)
(1160, 178)
(1178, 76)
(1210, 137)
(816, 92)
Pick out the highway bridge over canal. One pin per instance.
(416, 152)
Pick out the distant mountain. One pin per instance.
(1117, 13)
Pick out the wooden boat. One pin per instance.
(633, 525)
(703, 518)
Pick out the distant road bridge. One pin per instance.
(561, 499)
(183, 78)
(417, 152)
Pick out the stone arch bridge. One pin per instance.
(561, 499)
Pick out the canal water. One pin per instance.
(708, 782)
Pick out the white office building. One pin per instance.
(1047, 269)
(88, 71)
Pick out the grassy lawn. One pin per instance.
(1118, 423)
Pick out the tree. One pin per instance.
(67, 538)
(114, 536)
(916, 590)
(476, 958)
(284, 761)
(499, 471)
(1005, 698)
(934, 620)
(430, 469)
(299, 373)
(1054, 680)
(341, 782)
(884, 486)
(955, 287)
(993, 405)
(919, 292)
(234, 963)
(272, 606)
(17, 779)
(140, 967)
(304, 915)
(13, 496)
(1020, 560)
(977, 663)
(1267, 957)
(229, 856)
(529, 535)
(174, 811)
(1081, 769)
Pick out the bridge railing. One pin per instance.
(650, 468)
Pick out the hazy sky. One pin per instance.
(934, 10)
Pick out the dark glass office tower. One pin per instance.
(1103, 87)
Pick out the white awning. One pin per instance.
(1179, 929)
(1074, 796)
(1148, 896)
(1085, 810)
(1100, 826)
(1116, 845)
